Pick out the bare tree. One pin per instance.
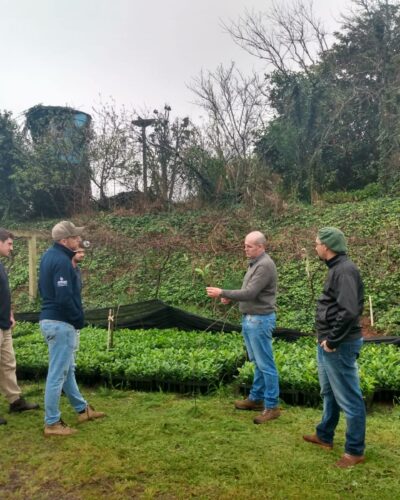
(236, 107)
(168, 143)
(286, 37)
(113, 150)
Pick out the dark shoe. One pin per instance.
(249, 404)
(22, 405)
(314, 439)
(89, 414)
(350, 461)
(59, 429)
(3, 421)
(266, 415)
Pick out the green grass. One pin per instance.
(156, 445)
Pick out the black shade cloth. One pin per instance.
(157, 314)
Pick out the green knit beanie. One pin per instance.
(333, 238)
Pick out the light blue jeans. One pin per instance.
(340, 389)
(61, 341)
(257, 333)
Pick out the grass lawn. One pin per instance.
(157, 445)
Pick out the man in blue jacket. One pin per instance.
(61, 316)
(339, 342)
(8, 378)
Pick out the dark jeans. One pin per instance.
(340, 389)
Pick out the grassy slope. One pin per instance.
(173, 256)
(168, 446)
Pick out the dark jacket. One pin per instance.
(59, 287)
(5, 300)
(79, 277)
(341, 304)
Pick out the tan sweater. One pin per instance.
(258, 292)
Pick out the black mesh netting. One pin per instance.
(157, 314)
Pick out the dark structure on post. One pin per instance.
(60, 137)
(143, 123)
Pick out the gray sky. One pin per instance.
(142, 53)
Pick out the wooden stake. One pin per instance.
(110, 337)
(32, 237)
(371, 312)
(32, 268)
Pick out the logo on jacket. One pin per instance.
(62, 282)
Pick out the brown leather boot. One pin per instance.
(314, 439)
(267, 414)
(249, 404)
(59, 429)
(348, 460)
(89, 414)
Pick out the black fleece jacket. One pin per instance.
(341, 304)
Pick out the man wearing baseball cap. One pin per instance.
(61, 316)
(339, 342)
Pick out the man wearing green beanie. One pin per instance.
(339, 343)
(333, 238)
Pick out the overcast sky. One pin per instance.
(142, 53)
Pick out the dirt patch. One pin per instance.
(13, 485)
(54, 489)
(369, 331)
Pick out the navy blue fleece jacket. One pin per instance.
(59, 287)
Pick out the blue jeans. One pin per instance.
(340, 389)
(61, 340)
(257, 333)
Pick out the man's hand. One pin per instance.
(213, 292)
(12, 319)
(325, 347)
(225, 301)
